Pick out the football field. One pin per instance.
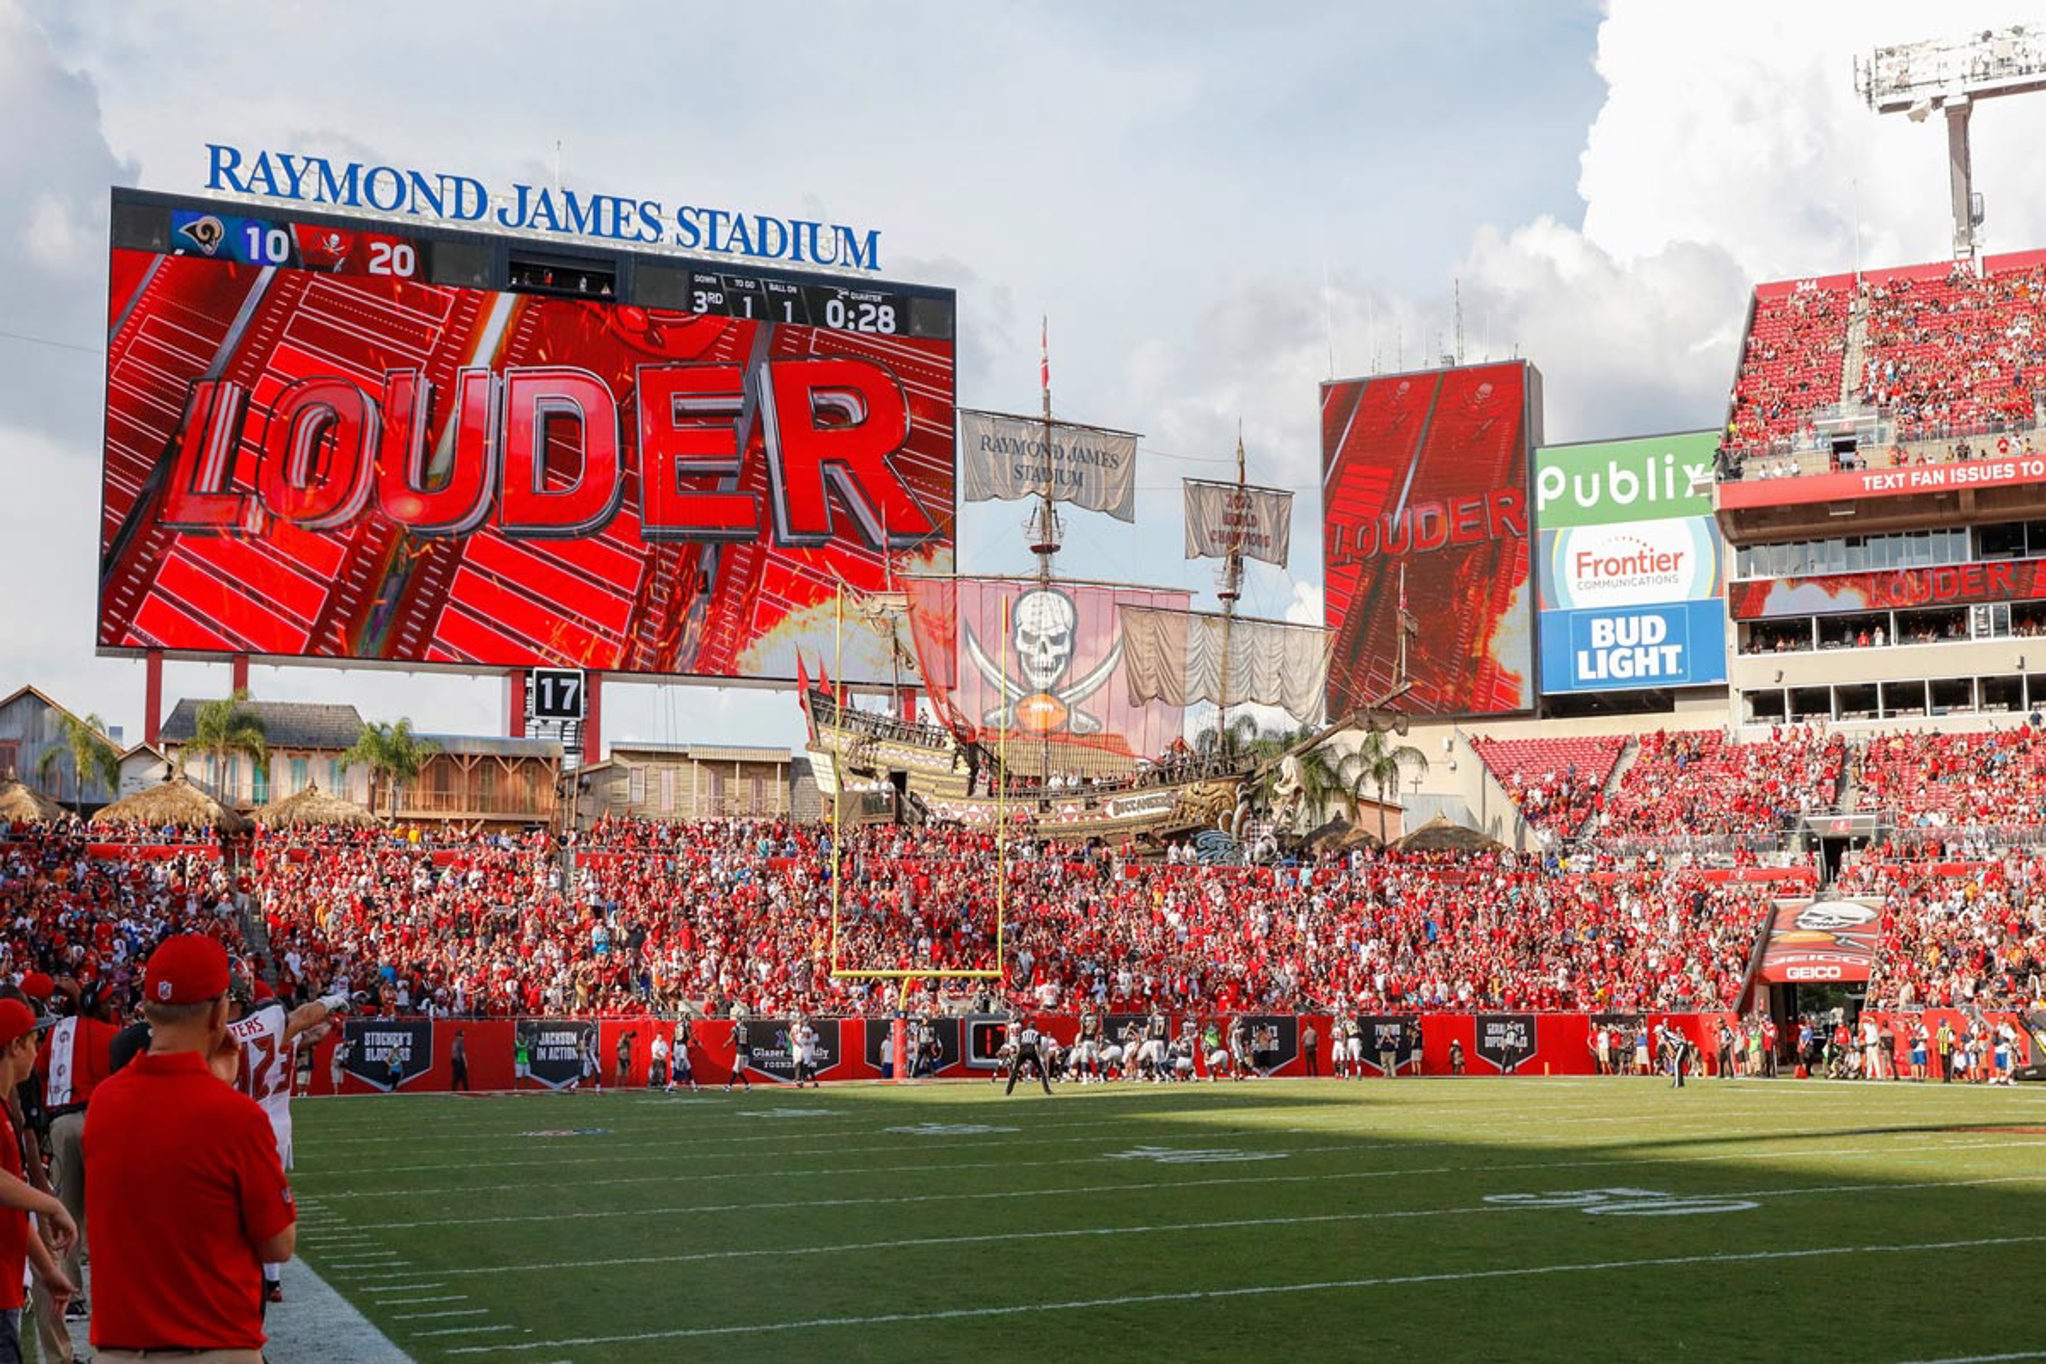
(1521, 1219)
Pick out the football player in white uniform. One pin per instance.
(270, 1038)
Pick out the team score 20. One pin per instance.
(393, 258)
(263, 1079)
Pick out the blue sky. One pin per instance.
(1206, 200)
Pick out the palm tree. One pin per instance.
(393, 754)
(1378, 764)
(223, 729)
(92, 754)
(1242, 732)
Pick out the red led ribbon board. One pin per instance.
(1424, 481)
(302, 464)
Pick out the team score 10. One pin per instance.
(260, 1077)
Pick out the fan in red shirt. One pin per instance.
(19, 1244)
(185, 1194)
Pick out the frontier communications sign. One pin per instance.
(1630, 571)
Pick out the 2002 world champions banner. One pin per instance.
(1425, 518)
(302, 462)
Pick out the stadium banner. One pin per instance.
(1631, 566)
(561, 1053)
(1914, 480)
(934, 1045)
(1506, 1041)
(1893, 590)
(313, 452)
(1221, 517)
(1521, 1044)
(373, 1044)
(152, 852)
(1399, 1034)
(772, 1051)
(1425, 518)
(1830, 941)
(1011, 459)
(1274, 1042)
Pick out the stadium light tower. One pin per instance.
(1952, 75)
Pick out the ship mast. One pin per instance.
(1232, 587)
(1044, 527)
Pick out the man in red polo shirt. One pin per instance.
(75, 1056)
(19, 1244)
(185, 1195)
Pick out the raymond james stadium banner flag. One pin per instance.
(1631, 567)
(1010, 459)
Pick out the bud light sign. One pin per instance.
(1630, 579)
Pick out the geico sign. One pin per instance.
(1812, 973)
(327, 448)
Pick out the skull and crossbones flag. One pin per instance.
(1055, 672)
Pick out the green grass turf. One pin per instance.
(1888, 1222)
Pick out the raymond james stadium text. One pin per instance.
(534, 208)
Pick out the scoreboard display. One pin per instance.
(301, 246)
(357, 439)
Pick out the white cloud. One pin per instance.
(1205, 247)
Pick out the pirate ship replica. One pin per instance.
(1060, 704)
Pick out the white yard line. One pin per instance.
(926, 1167)
(1311, 1219)
(1069, 1190)
(1259, 1290)
(1655, 1124)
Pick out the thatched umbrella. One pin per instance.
(310, 808)
(177, 801)
(20, 805)
(1442, 835)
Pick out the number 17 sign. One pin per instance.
(557, 693)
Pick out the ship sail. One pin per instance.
(1180, 657)
(1010, 459)
(1236, 518)
(1043, 664)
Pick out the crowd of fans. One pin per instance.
(1700, 782)
(1955, 933)
(1996, 777)
(1961, 351)
(1555, 783)
(1796, 350)
(1942, 352)
(640, 916)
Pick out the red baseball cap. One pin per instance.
(38, 985)
(17, 1020)
(186, 968)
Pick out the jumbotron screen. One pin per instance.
(359, 440)
(1425, 516)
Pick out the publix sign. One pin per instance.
(1624, 480)
(1629, 581)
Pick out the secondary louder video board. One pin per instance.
(357, 439)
